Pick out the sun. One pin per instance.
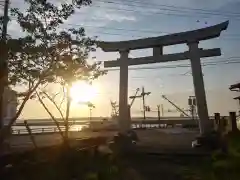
(82, 92)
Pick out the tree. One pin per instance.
(46, 53)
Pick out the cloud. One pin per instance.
(118, 17)
(105, 11)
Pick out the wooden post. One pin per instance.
(223, 125)
(123, 92)
(129, 117)
(216, 121)
(30, 134)
(233, 121)
(143, 103)
(158, 108)
(205, 125)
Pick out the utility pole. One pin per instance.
(143, 94)
(90, 106)
(3, 60)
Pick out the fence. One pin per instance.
(38, 130)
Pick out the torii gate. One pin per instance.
(191, 38)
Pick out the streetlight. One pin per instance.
(90, 106)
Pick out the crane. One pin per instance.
(179, 109)
(134, 97)
(115, 108)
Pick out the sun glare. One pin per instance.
(82, 92)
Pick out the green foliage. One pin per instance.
(220, 166)
(47, 53)
(227, 166)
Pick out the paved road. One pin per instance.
(24, 142)
(170, 138)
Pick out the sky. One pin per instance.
(116, 20)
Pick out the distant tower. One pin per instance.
(192, 102)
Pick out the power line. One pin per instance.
(179, 66)
(212, 60)
(128, 30)
(131, 30)
(123, 29)
(216, 12)
(181, 11)
(154, 13)
(172, 7)
(141, 36)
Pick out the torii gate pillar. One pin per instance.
(199, 89)
(123, 120)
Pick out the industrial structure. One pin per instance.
(236, 87)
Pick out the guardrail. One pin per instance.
(140, 125)
(38, 130)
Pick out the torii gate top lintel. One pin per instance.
(167, 40)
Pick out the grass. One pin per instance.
(220, 166)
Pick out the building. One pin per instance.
(236, 87)
(10, 104)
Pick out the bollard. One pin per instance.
(222, 127)
(233, 121)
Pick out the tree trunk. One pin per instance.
(4, 132)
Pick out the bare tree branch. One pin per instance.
(64, 97)
(54, 103)
(51, 115)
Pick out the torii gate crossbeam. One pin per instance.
(191, 38)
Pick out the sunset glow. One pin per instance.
(82, 92)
